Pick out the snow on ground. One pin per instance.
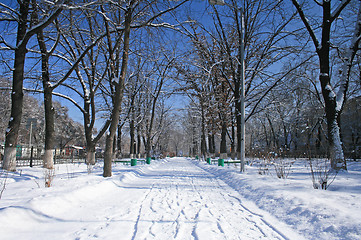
(178, 198)
(316, 214)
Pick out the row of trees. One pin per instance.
(119, 62)
(78, 48)
(67, 131)
(288, 46)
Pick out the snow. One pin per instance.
(86, 93)
(178, 198)
(116, 80)
(332, 93)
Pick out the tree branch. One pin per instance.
(339, 9)
(307, 24)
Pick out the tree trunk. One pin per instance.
(139, 141)
(275, 140)
(48, 104)
(148, 149)
(329, 96)
(132, 149)
(49, 129)
(114, 143)
(108, 156)
(233, 150)
(119, 142)
(119, 88)
(223, 146)
(12, 132)
(318, 140)
(194, 143)
(333, 131)
(90, 155)
(210, 143)
(203, 134)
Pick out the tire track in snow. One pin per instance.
(174, 200)
(259, 221)
(253, 218)
(261, 218)
(140, 214)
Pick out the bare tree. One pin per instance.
(333, 100)
(118, 77)
(84, 54)
(22, 17)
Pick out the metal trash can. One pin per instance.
(133, 162)
(221, 162)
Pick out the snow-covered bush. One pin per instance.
(264, 166)
(282, 167)
(49, 175)
(3, 178)
(89, 168)
(322, 174)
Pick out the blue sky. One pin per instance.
(197, 9)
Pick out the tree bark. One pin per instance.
(119, 142)
(48, 158)
(203, 134)
(12, 132)
(210, 143)
(139, 145)
(223, 146)
(132, 149)
(119, 88)
(333, 131)
(22, 38)
(323, 51)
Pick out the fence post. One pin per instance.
(31, 156)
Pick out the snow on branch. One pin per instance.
(307, 24)
(318, 3)
(150, 20)
(58, 95)
(339, 9)
(346, 68)
(70, 100)
(38, 27)
(8, 46)
(10, 9)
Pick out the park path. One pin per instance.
(176, 199)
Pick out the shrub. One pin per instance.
(3, 179)
(322, 174)
(282, 167)
(49, 175)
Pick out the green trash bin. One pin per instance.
(221, 162)
(148, 160)
(197, 157)
(133, 162)
(209, 161)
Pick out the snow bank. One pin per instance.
(178, 199)
(316, 214)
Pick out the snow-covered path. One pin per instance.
(173, 200)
